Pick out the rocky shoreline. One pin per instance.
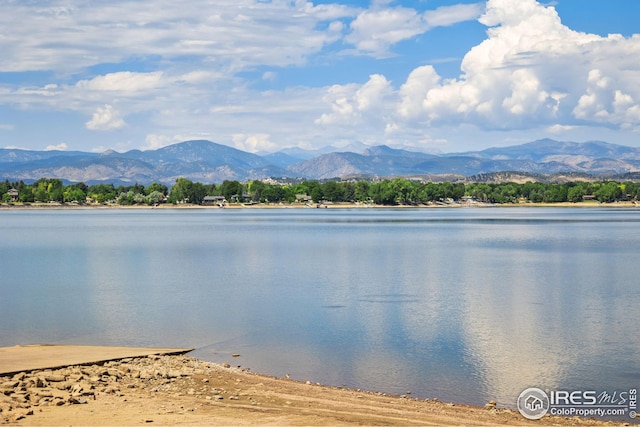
(169, 390)
(22, 393)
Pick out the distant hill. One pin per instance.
(202, 161)
(378, 160)
(209, 162)
(545, 150)
(541, 157)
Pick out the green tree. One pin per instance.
(273, 193)
(382, 193)
(228, 189)
(102, 193)
(156, 187)
(480, 192)
(314, 190)
(26, 195)
(52, 189)
(348, 192)
(155, 198)
(361, 191)
(609, 192)
(255, 189)
(576, 193)
(316, 193)
(333, 191)
(185, 190)
(40, 195)
(74, 194)
(403, 191)
(137, 188)
(179, 193)
(554, 193)
(197, 193)
(41, 190)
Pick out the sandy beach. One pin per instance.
(159, 389)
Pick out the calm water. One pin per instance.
(465, 305)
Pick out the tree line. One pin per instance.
(397, 191)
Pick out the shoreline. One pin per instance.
(240, 206)
(179, 389)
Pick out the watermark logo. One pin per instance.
(533, 403)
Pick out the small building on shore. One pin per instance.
(303, 198)
(14, 194)
(214, 201)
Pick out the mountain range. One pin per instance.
(209, 162)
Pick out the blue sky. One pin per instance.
(429, 75)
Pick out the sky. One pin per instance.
(263, 75)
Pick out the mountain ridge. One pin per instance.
(210, 162)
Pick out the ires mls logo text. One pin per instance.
(573, 398)
(591, 397)
(533, 403)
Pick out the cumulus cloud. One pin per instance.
(350, 103)
(534, 69)
(105, 118)
(60, 147)
(531, 72)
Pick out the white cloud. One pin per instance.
(412, 92)
(531, 73)
(105, 118)
(373, 95)
(531, 70)
(351, 104)
(449, 15)
(125, 81)
(269, 75)
(225, 33)
(6, 127)
(375, 30)
(60, 147)
(340, 97)
(155, 141)
(253, 143)
(560, 128)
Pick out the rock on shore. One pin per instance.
(77, 385)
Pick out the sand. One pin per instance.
(159, 389)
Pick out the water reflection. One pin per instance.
(464, 305)
(548, 306)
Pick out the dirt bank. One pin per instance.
(171, 390)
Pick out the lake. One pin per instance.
(465, 305)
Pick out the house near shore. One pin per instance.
(303, 198)
(214, 201)
(237, 198)
(14, 194)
